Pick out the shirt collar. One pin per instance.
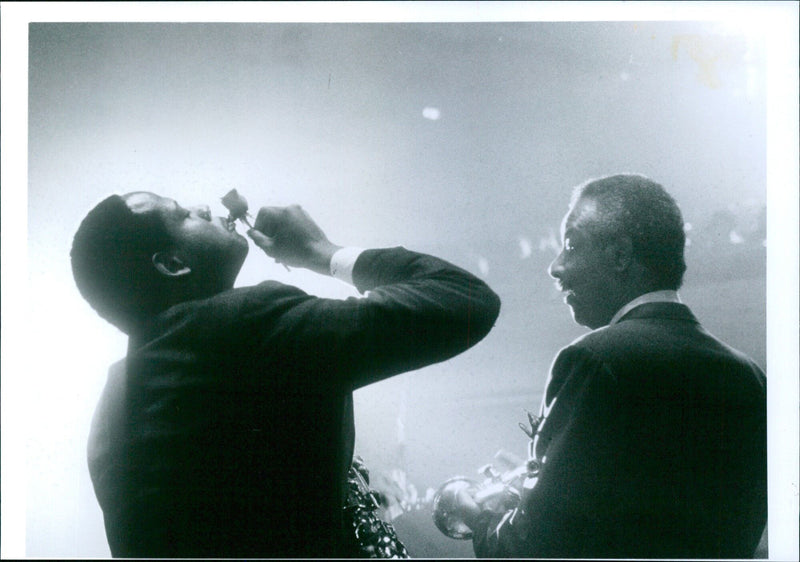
(655, 296)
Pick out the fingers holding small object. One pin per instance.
(263, 231)
(266, 223)
(266, 243)
(268, 220)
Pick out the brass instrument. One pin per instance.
(498, 492)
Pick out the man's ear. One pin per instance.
(170, 265)
(621, 253)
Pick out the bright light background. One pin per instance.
(459, 139)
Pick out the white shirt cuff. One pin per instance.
(343, 261)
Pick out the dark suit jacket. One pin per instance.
(233, 429)
(653, 445)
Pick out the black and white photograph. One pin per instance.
(400, 280)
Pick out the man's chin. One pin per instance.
(242, 246)
(243, 254)
(579, 318)
(576, 317)
(236, 258)
(574, 307)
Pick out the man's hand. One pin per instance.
(291, 236)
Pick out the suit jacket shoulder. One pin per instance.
(667, 422)
(664, 337)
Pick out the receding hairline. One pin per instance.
(643, 209)
(589, 213)
(624, 192)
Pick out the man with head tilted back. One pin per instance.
(228, 429)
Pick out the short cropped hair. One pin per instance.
(112, 262)
(640, 208)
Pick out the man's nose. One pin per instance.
(556, 267)
(202, 211)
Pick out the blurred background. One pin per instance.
(458, 139)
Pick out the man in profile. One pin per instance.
(228, 431)
(651, 439)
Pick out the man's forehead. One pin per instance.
(585, 210)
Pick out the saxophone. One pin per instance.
(371, 537)
(498, 492)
